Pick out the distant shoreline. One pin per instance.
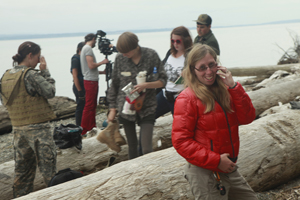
(59, 35)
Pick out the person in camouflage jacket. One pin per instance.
(131, 60)
(24, 91)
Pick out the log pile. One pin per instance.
(93, 157)
(269, 156)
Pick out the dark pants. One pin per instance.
(163, 105)
(144, 145)
(80, 104)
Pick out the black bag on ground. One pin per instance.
(66, 136)
(295, 104)
(64, 176)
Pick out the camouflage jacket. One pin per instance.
(37, 83)
(125, 71)
(210, 40)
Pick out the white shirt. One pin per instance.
(173, 68)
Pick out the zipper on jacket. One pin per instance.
(233, 154)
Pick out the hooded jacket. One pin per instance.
(201, 138)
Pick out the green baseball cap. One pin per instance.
(204, 19)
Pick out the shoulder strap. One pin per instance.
(167, 56)
(1, 83)
(78, 58)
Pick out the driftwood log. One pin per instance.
(266, 98)
(63, 107)
(269, 156)
(261, 70)
(94, 156)
(251, 81)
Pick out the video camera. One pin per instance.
(103, 46)
(103, 43)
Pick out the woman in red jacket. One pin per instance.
(205, 127)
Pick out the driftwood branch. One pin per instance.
(261, 70)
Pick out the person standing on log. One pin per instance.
(89, 68)
(207, 116)
(24, 92)
(181, 41)
(205, 35)
(132, 60)
(78, 87)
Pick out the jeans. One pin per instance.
(80, 104)
(163, 105)
(88, 121)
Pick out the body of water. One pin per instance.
(240, 47)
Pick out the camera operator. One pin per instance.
(90, 72)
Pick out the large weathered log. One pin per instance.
(93, 157)
(155, 176)
(278, 77)
(63, 107)
(269, 156)
(261, 70)
(266, 98)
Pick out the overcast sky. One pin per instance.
(69, 16)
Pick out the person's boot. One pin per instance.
(107, 137)
(119, 139)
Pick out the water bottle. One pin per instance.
(154, 74)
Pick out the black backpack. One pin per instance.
(64, 176)
(66, 136)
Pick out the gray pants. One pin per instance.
(204, 185)
(144, 145)
(33, 145)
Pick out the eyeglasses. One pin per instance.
(203, 68)
(177, 41)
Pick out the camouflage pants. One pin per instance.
(33, 145)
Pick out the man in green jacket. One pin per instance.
(205, 35)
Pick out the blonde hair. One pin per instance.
(208, 95)
(127, 42)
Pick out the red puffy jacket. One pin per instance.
(201, 138)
